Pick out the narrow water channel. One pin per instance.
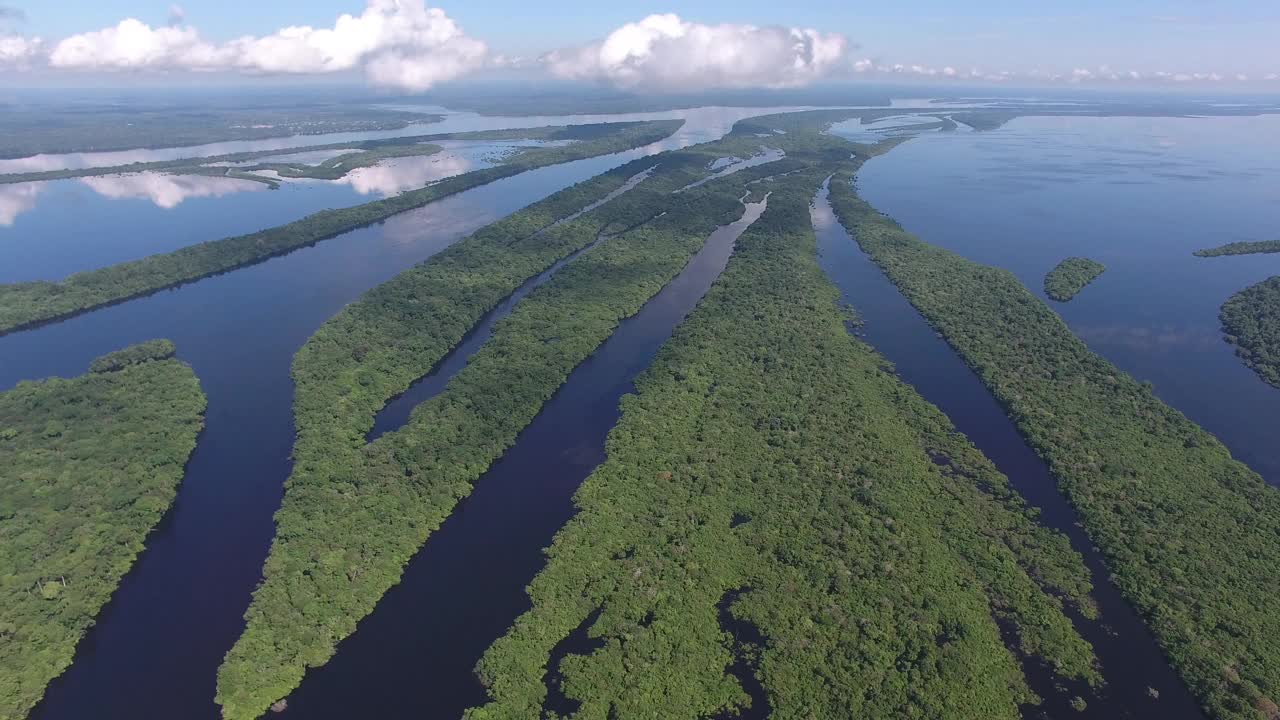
(414, 656)
(396, 412)
(1132, 663)
(156, 647)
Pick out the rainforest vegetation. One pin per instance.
(770, 463)
(90, 465)
(33, 128)
(1251, 321)
(354, 514)
(1071, 276)
(28, 303)
(1191, 536)
(1241, 248)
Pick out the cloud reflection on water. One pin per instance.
(396, 175)
(164, 191)
(168, 191)
(17, 199)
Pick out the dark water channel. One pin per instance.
(397, 410)
(1131, 660)
(156, 647)
(414, 656)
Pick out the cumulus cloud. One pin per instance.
(399, 43)
(664, 52)
(16, 50)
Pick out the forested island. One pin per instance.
(29, 303)
(91, 464)
(1241, 248)
(771, 478)
(1071, 276)
(1251, 322)
(1191, 536)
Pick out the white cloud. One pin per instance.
(400, 43)
(663, 52)
(16, 50)
(132, 44)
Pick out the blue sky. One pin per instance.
(1226, 37)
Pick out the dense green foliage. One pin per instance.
(771, 461)
(99, 127)
(1241, 248)
(1070, 277)
(28, 303)
(133, 355)
(1251, 320)
(90, 466)
(1192, 536)
(354, 514)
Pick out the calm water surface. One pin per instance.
(1139, 195)
(51, 229)
(156, 648)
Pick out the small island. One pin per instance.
(1070, 277)
(1251, 322)
(1241, 248)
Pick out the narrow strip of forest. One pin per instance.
(1251, 322)
(1192, 537)
(31, 303)
(91, 464)
(354, 514)
(769, 470)
(1241, 248)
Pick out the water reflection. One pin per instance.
(17, 199)
(168, 191)
(163, 190)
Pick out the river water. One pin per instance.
(50, 229)
(1138, 195)
(156, 648)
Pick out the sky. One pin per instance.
(685, 46)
